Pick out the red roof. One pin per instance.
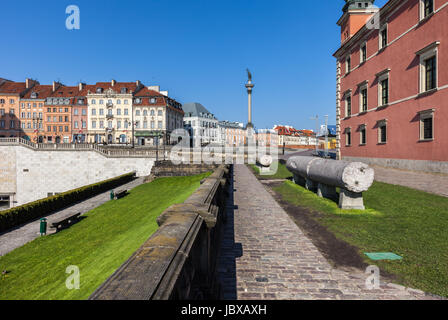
(12, 87)
(43, 92)
(130, 86)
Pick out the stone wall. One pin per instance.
(179, 260)
(405, 164)
(32, 174)
(168, 169)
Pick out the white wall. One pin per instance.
(38, 173)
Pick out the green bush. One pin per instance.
(33, 210)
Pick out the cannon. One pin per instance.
(324, 175)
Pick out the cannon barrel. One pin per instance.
(352, 176)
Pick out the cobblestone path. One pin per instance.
(17, 237)
(265, 255)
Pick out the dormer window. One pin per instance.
(33, 95)
(99, 90)
(153, 100)
(124, 90)
(138, 101)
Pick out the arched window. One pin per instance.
(118, 101)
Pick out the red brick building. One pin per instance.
(392, 84)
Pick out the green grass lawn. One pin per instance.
(408, 222)
(282, 172)
(98, 244)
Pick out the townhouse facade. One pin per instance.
(201, 123)
(296, 139)
(109, 108)
(231, 134)
(10, 95)
(392, 84)
(156, 116)
(267, 138)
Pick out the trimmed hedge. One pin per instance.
(16, 216)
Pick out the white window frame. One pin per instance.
(361, 128)
(363, 85)
(380, 36)
(425, 54)
(346, 131)
(361, 60)
(381, 76)
(422, 10)
(380, 124)
(426, 114)
(347, 95)
(347, 69)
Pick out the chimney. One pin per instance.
(355, 16)
(138, 83)
(113, 82)
(81, 86)
(27, 83)
(54, 86)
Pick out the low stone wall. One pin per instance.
(168, 169)
(405, 164)
(179, 260)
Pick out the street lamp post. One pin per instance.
(317, 129)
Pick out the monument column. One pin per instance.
(249, 86)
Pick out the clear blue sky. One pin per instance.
(196, 49)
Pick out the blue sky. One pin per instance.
(197, 49)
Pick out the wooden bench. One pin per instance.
(120, 194)
(65, 223)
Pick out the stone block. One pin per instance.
(326, 191)
(351, 200)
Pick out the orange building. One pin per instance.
(10, 95)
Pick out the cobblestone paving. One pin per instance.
(264, 255)
(16, 238)
(433, 183)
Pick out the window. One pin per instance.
(101, 102)
(93, 101)
(2, 101)
(362, 134)
(84, 124)
(118, 112)
(2, 112)
(145, 112)
(363, 98)
(126, 124)
(348, 137)
(137, 112)
(94, 124)
(101, 124)
(76, 124)
(49, 128)
(75, 112)
(428, 67)
(66, 119)
(118, 124)
(348, 106)
(430, 73)
(383, 37)
(61, 129)
(152, 125)
(126, 112)
(118, 101)
(348, 64)
(426, 8)
(382, 131)
(153, 100)
(48, 119)
(2, 123)
(84, 112)
(159, 124)
(66, 110)
(363, 53)
(153, 113)
(137, 124)
(93, 112)
(11, 101)
(427, 125)
(109, 124)
(125, 101)
(101, 112)
(384, 87)
(145, 124)
(160, 113)
(66, 128)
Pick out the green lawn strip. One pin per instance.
(282, 172)
(98, 244)
(408, 222)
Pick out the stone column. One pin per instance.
(249, 86)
